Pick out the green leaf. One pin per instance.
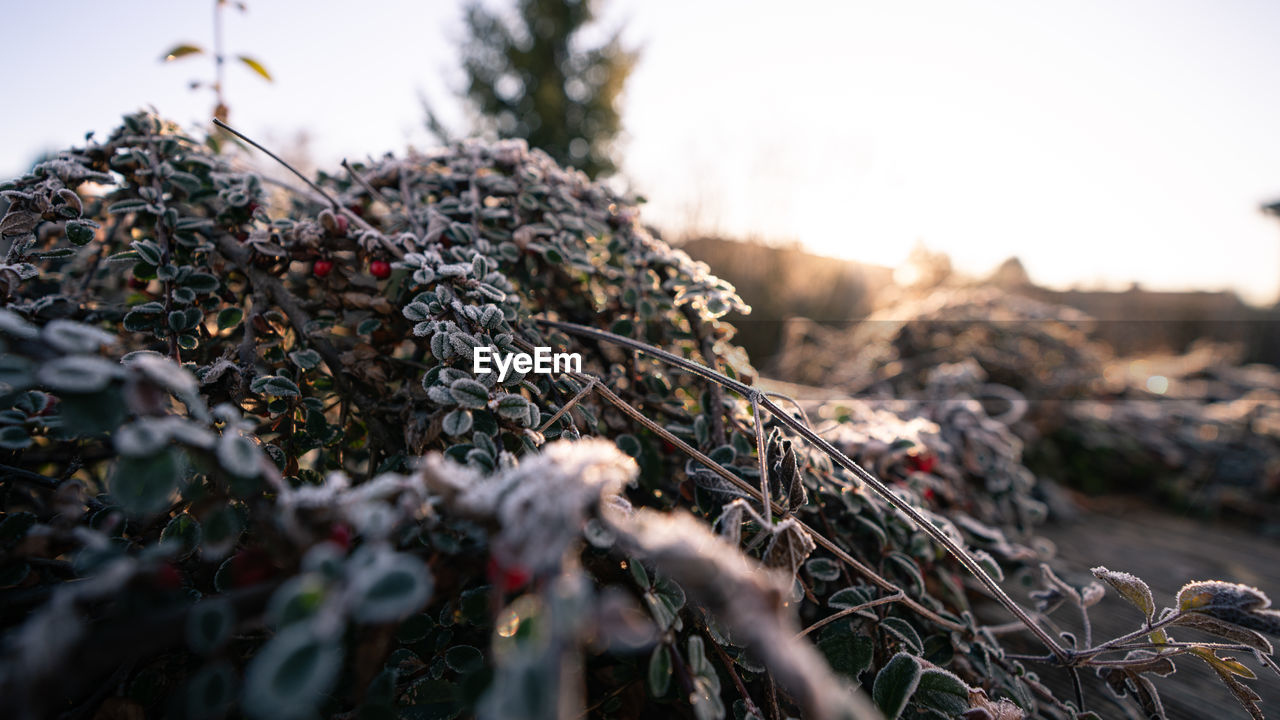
(209, 624)
(457, 422)
(291, 674)
(201, 282)
(847, 653)
(823, 569)
(211, 690)
(903, 630)
(297, 599)
(909, 569)
(229, 318)
(660, 670)
(15, 526)
(181, 51)
(464, 658)
(941, 691)
(275, 386)
(433, 699)
(391, 586)
(512, 406)
(255, 66)
(305, 359)
(469, 393)
(124, 206)
(239, 455)
(1131, 588)
(143, 486)
(221, 531)
(628, 444)
(183, 531)
(14, 437)
(894, 684)
(80, 232)
(79, 374)
(852, 597)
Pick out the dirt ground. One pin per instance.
(1166, 550)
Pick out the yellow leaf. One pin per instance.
(255, 66)
(1223, 664)
(182, 51)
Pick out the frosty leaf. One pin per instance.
(512, 406)
(144, 486)
(305, 359)
(457, 422)
(14, 325)
(391, 587)
(464, 658)
(289, 677)
(894, 685)
(1130, 588)
(788, 547)
(848, 654)
(1206, 595)
(275, 386)
(823, 569)
(209, 624)
(229, 318)
(469, 393)
(660, 671)
(1222, 628)
(941, 691)
(80, 374)
(903, 631)
(239, 455)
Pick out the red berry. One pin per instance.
(168, 577)
(341, 222)
(253, 207)
(340, 535)
(922, 461)
(380, 269)
(322, 268)
(242, 236)
(507, 578)
(930, 495)
(250, 567)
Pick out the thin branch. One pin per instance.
(962, 556)
(733, 675)
(586, 389)
(851, 610)
(818, 538)
(707, 347)
(762, 458)
(321, 191)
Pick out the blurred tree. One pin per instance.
(532, 78)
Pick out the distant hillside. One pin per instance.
(781, 282)
(785, 281)
(1137, 321)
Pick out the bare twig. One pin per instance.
(962, 555)
(851, 610)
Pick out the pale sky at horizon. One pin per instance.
(1101, 142)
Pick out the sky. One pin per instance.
(1101, 142)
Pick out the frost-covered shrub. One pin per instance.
(247, 468)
